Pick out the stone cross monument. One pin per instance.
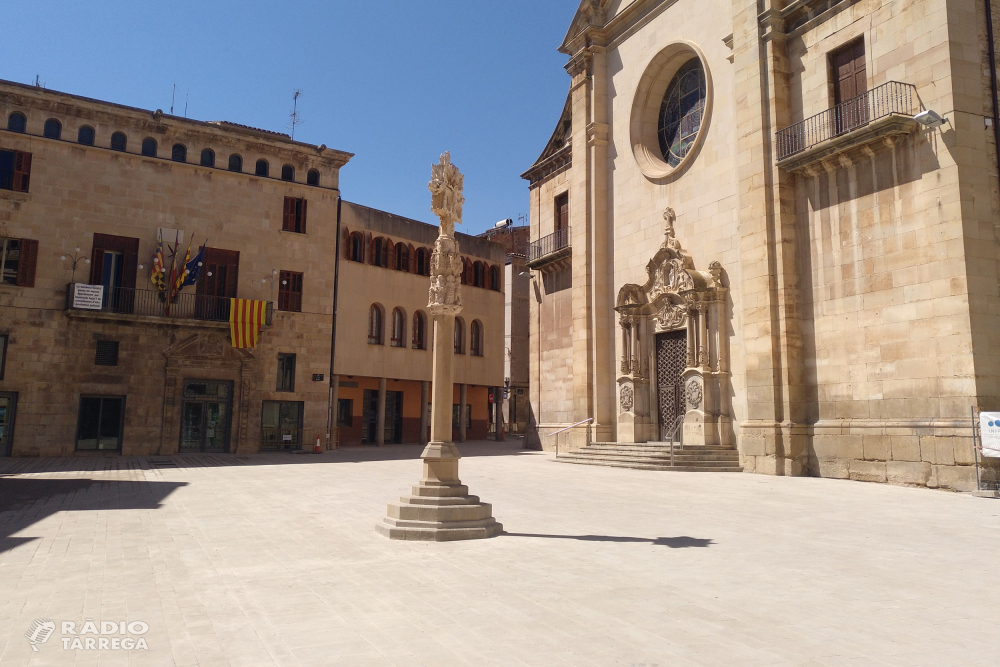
(440, 508)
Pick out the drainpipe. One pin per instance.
(331, 414)
(993, 81)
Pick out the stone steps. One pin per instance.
(656, 456)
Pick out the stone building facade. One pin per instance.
(745, 226)
(86, 189)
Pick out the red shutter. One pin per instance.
(390, 254)
(288, 215)
(26, 263)
(130, 263)
(96, 263)
(22, 171)
(234, 274)
(302, 227)
(412, 268)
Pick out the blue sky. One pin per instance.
(396, 83)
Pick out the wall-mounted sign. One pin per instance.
(317, 377)
(88, 297)
(989, 433)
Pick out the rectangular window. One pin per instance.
(345, 412)
(281, 424)
(290, 291)
(562, 212)
(849, 72)
(293, 218)
(18, 258)
(15, 170)
(286, 372)
(3, 354)
(100, 423)
(114, 261)
(107, 353)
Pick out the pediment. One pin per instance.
(206, 347)
(590, 13)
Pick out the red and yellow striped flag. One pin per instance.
(246, 317)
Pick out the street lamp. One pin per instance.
(74, 259)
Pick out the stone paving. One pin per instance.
(274, 560)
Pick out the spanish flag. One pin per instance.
(246, 317)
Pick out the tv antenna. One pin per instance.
(296, 120)
(173, 94)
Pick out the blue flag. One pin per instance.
(193, 268)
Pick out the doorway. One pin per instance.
(393, 431)
(671, 358)
(100, 424)
(8, 406)
(205, 416)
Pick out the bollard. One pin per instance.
(318, 449)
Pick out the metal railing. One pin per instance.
(153, 303)
(548, 244)
(277, 439)
(892, 97)
(571, 426)
(676, 432)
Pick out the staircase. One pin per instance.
(656, 456)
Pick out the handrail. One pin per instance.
(677, 427)
(892, 97)
(588, 419)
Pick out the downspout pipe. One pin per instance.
(331, 414)
(991, 50)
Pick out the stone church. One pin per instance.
(770, 227)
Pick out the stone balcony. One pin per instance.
(550, 249)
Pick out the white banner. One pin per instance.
(88, 297)
(989, 433)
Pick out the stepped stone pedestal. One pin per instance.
(440, 508)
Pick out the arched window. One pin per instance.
(459, 336)
(380, 252)
(235, 163)
(53, 129)
(119, 142)
(261, 167)
(419, 325)
(312, 177)
(465, 272)
(17, 122)
(478, 274)
(288, 173)
(179, 153)
(357, 247)
(476, 339)
(149, 147)
(681, 112)
(402, 258)
(398, 328)
(85, 136)
(422, 263)
(375, 325)
(207, 157)
(495, 278)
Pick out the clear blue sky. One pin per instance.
(396, 83)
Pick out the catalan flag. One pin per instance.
(156, 275)
(246, 317)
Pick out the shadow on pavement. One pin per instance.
(680, 542)
(25, 501)
(360, 454)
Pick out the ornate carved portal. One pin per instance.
(674, 324)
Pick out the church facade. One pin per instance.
(772, 226)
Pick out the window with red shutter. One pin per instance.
(17, 261)
(15, 170)
(26, 265)
(293, 217)
(290, 291)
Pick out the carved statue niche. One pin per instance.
(675, 297)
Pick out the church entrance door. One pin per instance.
(671, 358)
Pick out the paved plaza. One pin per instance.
(274, 560)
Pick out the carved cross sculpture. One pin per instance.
(445, 296)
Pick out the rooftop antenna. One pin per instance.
(38, 83)
(173, 94)
(295, 112)
(522, 219)
(186, 96)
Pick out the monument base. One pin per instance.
(440, 508)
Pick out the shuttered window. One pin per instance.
(128, 248)
(18, 258)
(293, 218)
(15, 170)
(290, 291)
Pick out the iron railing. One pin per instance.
(277, 439)
(892, 97)
(548, 244)
(153, 303)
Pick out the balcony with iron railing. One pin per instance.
(549, 248)
(883, 111)
(129, 303)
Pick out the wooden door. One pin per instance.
(217, 283)
(850, 83)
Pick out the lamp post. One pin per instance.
(440, 508)
(75, 259)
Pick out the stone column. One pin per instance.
(440, 508)
(463, 395)
(425, 390)
(334, 435)
(380, 414)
